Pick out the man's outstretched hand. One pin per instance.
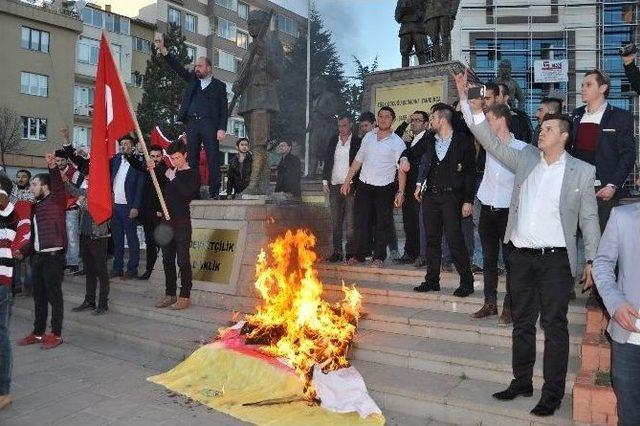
(158, 41)
(461, 80)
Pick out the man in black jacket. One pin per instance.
(341, 150)
(632, 71)
(521, 123)
(239, 169)
(446, 185)
(204, 110)
(418, 121)
(289, 171)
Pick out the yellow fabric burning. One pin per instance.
(294, 322)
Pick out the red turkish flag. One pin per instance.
(158, 138)
(112, 119)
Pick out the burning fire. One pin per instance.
(294, 322)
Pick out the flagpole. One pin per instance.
(145, 152)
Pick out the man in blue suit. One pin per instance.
(204, 110)
(127, 185)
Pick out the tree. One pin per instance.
(325, 64)
(163, 88)
(355, 90)
(10, 132)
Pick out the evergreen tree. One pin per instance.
(163, 88)
(325, 63)
(355, 91)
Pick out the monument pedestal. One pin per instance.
(227, 238)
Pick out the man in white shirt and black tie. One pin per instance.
(552, 195)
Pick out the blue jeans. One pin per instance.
(625, 372)
(22, 281)
(6, 359)
(72, 220)
(121, 225)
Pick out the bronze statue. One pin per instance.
(322, 121)
(410, 14)
(262, 67)
(516, 94)
(441, 15)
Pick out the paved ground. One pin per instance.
(88, 382)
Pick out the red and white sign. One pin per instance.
(551, 71)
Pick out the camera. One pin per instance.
(628, 49)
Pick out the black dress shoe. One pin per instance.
(546, 406)
(146, 275)
(335, 257)
(510, 393)
(425, 287)
(463, 292)
(84, 306)
(101, 310)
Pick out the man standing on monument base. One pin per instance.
(262, 67)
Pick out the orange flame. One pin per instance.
(296, 322)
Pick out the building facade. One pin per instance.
(38, 79)
(588, 34)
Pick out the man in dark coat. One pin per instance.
(288, 180)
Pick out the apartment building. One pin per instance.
(38, 80)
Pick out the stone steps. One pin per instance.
(390, 273)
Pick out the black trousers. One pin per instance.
(94, 258)
(492, 226)
(444, 211)
(201, 132)
(410, 218)
(149, 225)
(47, 290)
(379, 200)
(540, 285)
(178, 248)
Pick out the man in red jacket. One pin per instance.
(49, 239)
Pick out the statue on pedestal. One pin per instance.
(322, 122)
(516, 94)
(410, 14)
(441, 15)
(261, 68)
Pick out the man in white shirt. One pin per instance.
(494, 195)
(552, 195)
(341, 151)
(377, 161)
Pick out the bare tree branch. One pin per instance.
(10, 132)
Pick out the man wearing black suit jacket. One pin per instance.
(204, 110)
(418, 121)
(604, 138)
(289, 171)
(341, 150)
(446, 187)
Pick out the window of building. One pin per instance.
(175, 17)
(243, 10)
(116, 52)
(34, 84)
(82, 100)
(229, 87)
(242, 39)
(93, 17)
(190, 22)
(33, 39)
(141, 45)
(88, 49)
(137, 79)
(287, 25)
(225, 60)
(191, 53)
(117, 24)
(229, 4)
(80, 136)
(226, 29)
(34, 128)
(236, 127)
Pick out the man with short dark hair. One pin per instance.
(48, 239)
(377, 193)
(289, 171)
(204, 110)
(366, 123)
(340, 153)
(127, 185)
(552, 196)
(520, 122)
(71, 174)
(239, 169)
(445, 185)
(550, 104)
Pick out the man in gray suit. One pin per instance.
(552, 195)
(619, 246)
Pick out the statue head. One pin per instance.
(504, 70)
(257, 18)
